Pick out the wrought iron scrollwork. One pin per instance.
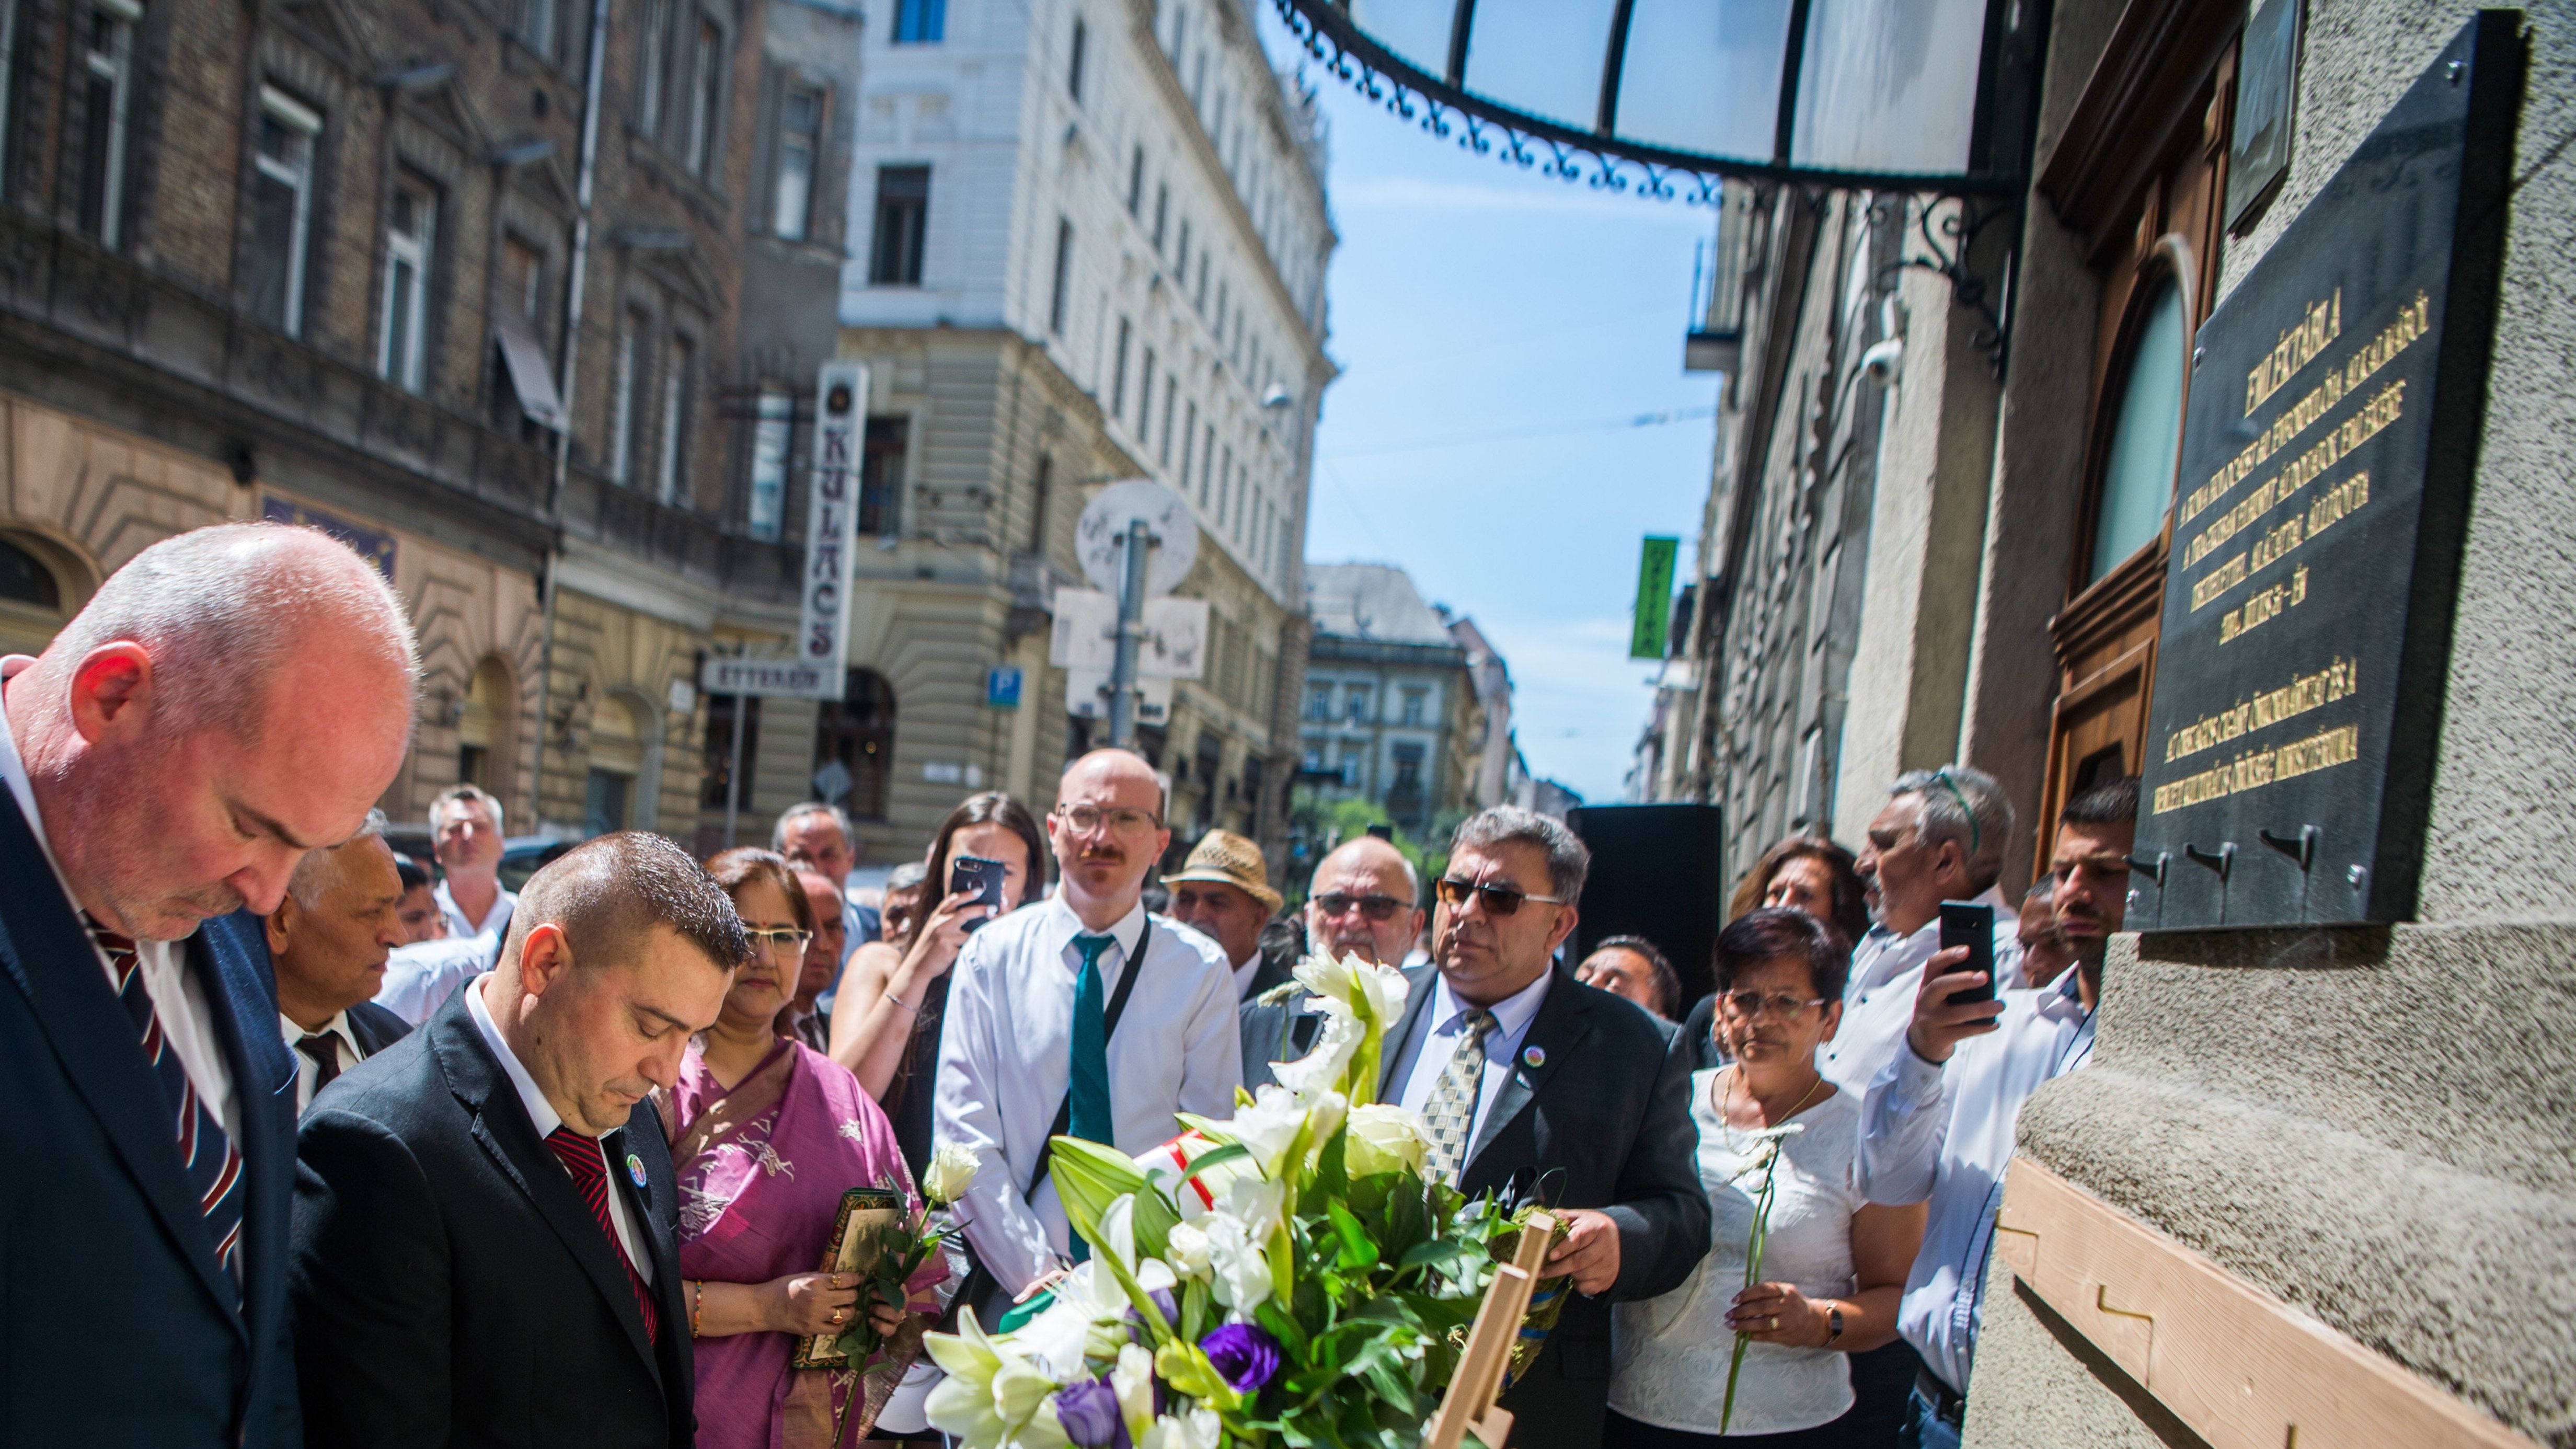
(1948, 237)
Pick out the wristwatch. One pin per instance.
(1833, 1323)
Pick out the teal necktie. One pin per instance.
(1088, 1087)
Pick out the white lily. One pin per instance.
(1132, 1377)
(1323, 1068)
(1198, 1429)
(991, 1394)
(1260, 1206)
(1241, 1262)
(1354, 986)
(1269, 1127)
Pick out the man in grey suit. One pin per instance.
(1536, 1086)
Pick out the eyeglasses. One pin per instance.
(1122, 821)
(787, 937)
(1380, 909)
(1499, 900)
(1751, 1004)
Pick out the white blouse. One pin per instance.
(1670, 1354)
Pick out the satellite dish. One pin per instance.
(1100, 538)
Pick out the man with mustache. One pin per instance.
(1940, 1126)
(1363, 900)
(1084, 1016)
(485, 1212)
(328, 940)
(166, 767)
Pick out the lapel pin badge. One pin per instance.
(1533, 1057)
(635, 1170)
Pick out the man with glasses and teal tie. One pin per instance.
(1083, 1016)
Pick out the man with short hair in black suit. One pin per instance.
(328, 941)
(1536, 1086)
(165, 768)
(485, 1213)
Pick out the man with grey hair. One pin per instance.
(1536, 1087)
(465, 831)
(1363, 900)
(816, 836)
(167, 767)
(329, 940)
(1940, 837)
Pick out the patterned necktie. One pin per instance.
(1451, 1112)
(324, 1049)
(206, 1151)
(1088, 1086)
(583, 1158)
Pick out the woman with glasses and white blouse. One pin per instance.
(1775, 1136)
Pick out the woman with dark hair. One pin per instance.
(886, 1026)
(1811, 874)
(1771, 1129)
(766, 1133)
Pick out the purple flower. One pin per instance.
(1089, 1413)
(1244, 1356)
(1163, 1299)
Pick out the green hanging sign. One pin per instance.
(1654, 599)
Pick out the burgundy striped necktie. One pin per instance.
(589, 1168)
(206, 1151)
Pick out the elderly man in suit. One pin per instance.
(485, 1214)
(1223, 892)
(165, 770)
(329, 940)
(1534, 1085)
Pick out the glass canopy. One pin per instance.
(1871, 92)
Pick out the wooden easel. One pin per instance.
(1469, 1404)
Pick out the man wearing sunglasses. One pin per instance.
(1535, 1086)
(1364, 900)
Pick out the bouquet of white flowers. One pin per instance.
(1288, 1277)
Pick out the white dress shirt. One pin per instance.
(307, 1070)
(495, 923)
(542, 1115)
(1005, 1062)
(1878, 1000)
(1512, 1017)
(1946, 1133)
(421, 976)
(178, 998)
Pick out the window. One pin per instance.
(773, 427)
(1181, 253)
(2146, 442)
(1039, 487)
(1207, 459)
(902, 221)
(1407, 759)
(856, 731)
(1319, 704)
(106, 102)
(1136, 183)
(605, 800)
(24, 579)
(1162, 210)
(706, 91)
(1171, 389)
(920, 22)
(1063, 276)
(537, 26)
(651, 60)
(1145, 401)
(1200, 301)
(791, 195)
(403, 358)
(1414, 700)
(1189, 439)
(523, 277)
(1073, 66)
(281, 210)
(626, 379)
(671, 484)
(881, 473)
(715, 769)
(1118, 375)
(1358, 702)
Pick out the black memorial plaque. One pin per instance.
(2327, 457)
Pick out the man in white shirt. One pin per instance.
(1940, 837)
(1080, 1015)
(1223, 893)
(465, 832)
(1938, 1123)
(328, 940)
(490, 1202)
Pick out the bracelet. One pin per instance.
(899, 1001)
(1833, 1323)
(697, 1306)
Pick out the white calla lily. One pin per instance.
(992, 1393)
(1198, 1429)
(1240, 1260)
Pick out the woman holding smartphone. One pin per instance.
(886, 1026)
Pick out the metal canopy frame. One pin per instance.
(1443, 106)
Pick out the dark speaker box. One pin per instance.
(1658, 871)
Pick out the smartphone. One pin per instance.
(1964, 923)
(982, 877)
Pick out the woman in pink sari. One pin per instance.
(767, 1134)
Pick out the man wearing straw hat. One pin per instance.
(1223, 892)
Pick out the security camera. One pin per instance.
(1276, 397)
(1883, 361)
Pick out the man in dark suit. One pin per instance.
(164, 769)
(1534, 1085)
(329, 940)
(485, 1213)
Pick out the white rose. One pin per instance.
(950, 1174)
(1268, 1126)
(1186, 1248)
(1383, 1138)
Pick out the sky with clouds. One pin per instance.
(1500, 334)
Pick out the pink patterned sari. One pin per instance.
(762, 1168)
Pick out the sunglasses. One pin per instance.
(1380, 909)
(1749, 1005)
(1498, 900)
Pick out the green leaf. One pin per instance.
(1154, 1220)
(1283, 1328)
(1215, 1157)
(1357, 1250)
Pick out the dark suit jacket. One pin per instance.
(1603, 1122)
(375, 1027)
(451, 1288)
(105, 1262)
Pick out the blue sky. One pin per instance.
(1494, 330)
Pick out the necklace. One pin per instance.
(1717, 1097)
